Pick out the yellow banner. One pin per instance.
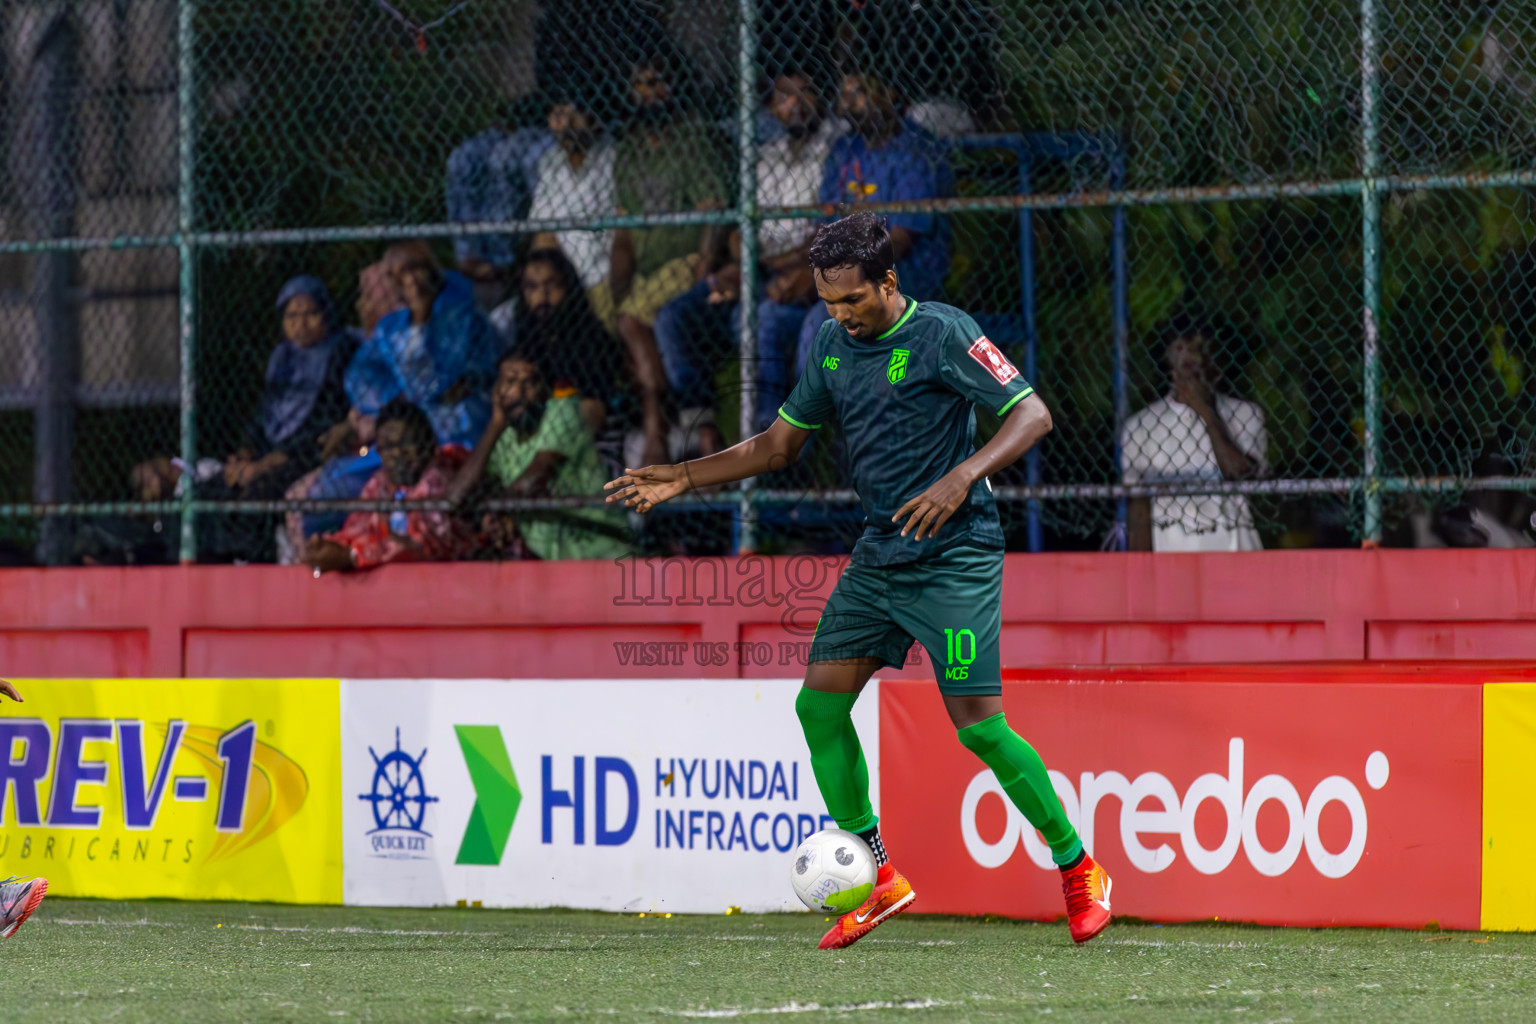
(1509, 807)
(181, 788)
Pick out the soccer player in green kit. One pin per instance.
(902, 378)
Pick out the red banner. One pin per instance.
(1325, 801)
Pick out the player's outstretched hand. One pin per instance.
(10, 691)
(644, 489)
(932, 509)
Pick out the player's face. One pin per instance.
(863, 308)
(303, 321)
(543, 288)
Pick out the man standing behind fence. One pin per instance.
(576, 180)
(694, 328)
(1194, 435)
(887, 159)
(665, 164)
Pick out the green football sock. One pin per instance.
(836, 757)
(1023, 777)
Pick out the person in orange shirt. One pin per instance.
(413, 469)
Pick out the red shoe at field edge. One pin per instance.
(893, 894)
(17, 902)
(1086, 888)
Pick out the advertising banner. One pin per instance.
(1349, 803)
(637, 795)
(1509, 805)
(191, 789)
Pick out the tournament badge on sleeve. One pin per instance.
(997, 364)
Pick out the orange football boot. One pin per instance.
(1086, 888)
(17, 901)
(893, 894)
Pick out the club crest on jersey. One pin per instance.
(995, 363)
(898, 368)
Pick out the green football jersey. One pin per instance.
(905, 402)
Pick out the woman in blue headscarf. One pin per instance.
(305, 394)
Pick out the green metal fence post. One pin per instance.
(746, 220)
(1370, 208)
(187, 280)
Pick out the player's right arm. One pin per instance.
(808, 407)
(644, 489)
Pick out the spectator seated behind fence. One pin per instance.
(886, 159)
(694, 329)
(1193, 435)
(304, 395)
(575, 179)
(537, 446)
(557, 331)
(436, 351)
(666, 163)
(412, 468)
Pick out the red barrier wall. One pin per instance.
(680, 617)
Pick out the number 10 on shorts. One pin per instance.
(959, 646)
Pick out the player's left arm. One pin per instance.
(10, 691)
(1025, 425)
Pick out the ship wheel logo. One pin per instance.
(399, 796)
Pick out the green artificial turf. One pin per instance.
(80, 960)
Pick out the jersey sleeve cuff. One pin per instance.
(796, 423)
(1016, 399)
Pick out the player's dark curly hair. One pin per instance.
(858, 240)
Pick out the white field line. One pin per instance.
(262, 927)
(351, 930)
(1186, 942)
(800, 939)
(910, 1004)
(103, 923)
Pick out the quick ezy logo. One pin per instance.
(1176, 817)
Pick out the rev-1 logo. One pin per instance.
(399, 799)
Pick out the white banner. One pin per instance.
(634, 795)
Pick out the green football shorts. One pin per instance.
(951, 603)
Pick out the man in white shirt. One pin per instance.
(692, 330)
(575, 179)
(1194, 435)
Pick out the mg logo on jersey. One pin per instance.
(995, 363)
(1151, 806)
(897, 370)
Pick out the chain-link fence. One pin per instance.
(262, 264)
